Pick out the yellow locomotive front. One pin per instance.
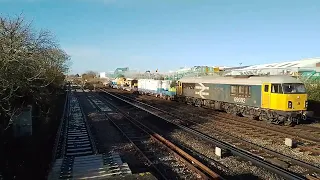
(286, 99)
(296, 97)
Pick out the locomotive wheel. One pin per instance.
(276, 121)
(197, 103)
(228, 110)
(189, 102)
(288, 122)
(263, 116)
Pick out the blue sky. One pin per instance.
(102, 35)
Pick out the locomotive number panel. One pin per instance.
(239, 100)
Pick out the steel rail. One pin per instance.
(136, 147)
(234, 150)
(179, 153)
(171, 145)
(296, 161)
(56, 143)
(66, 122)
(93, 143)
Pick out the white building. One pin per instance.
(290, 67)
(102, 74)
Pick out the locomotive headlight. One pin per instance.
(306, 104)
(289, 104)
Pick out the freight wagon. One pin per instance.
(159, 88)
(276, 99)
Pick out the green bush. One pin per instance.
(313, 89)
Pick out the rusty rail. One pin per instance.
(191, 166)
(187, 156)
(187, 159)
(234, 150)
(312, 177)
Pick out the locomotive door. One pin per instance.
(179, 88)
(265, 92)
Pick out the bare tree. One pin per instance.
(89, 76)
(31, 66)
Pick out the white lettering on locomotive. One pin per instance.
(239, 100)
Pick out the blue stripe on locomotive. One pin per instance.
(221, 92)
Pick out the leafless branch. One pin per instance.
(30, 62)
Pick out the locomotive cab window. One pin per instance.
(266, 88)
(293, 88)
(276, 88)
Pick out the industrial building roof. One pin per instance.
(304, 63)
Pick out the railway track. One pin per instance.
(165, 159)
(306, 138)
(304, 132)
(75, 155)
(270, 165)
(301, 131)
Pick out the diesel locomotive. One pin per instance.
(276, 99)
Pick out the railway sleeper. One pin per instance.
(159, 154)
(269, 115)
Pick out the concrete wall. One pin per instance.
(22, 122)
